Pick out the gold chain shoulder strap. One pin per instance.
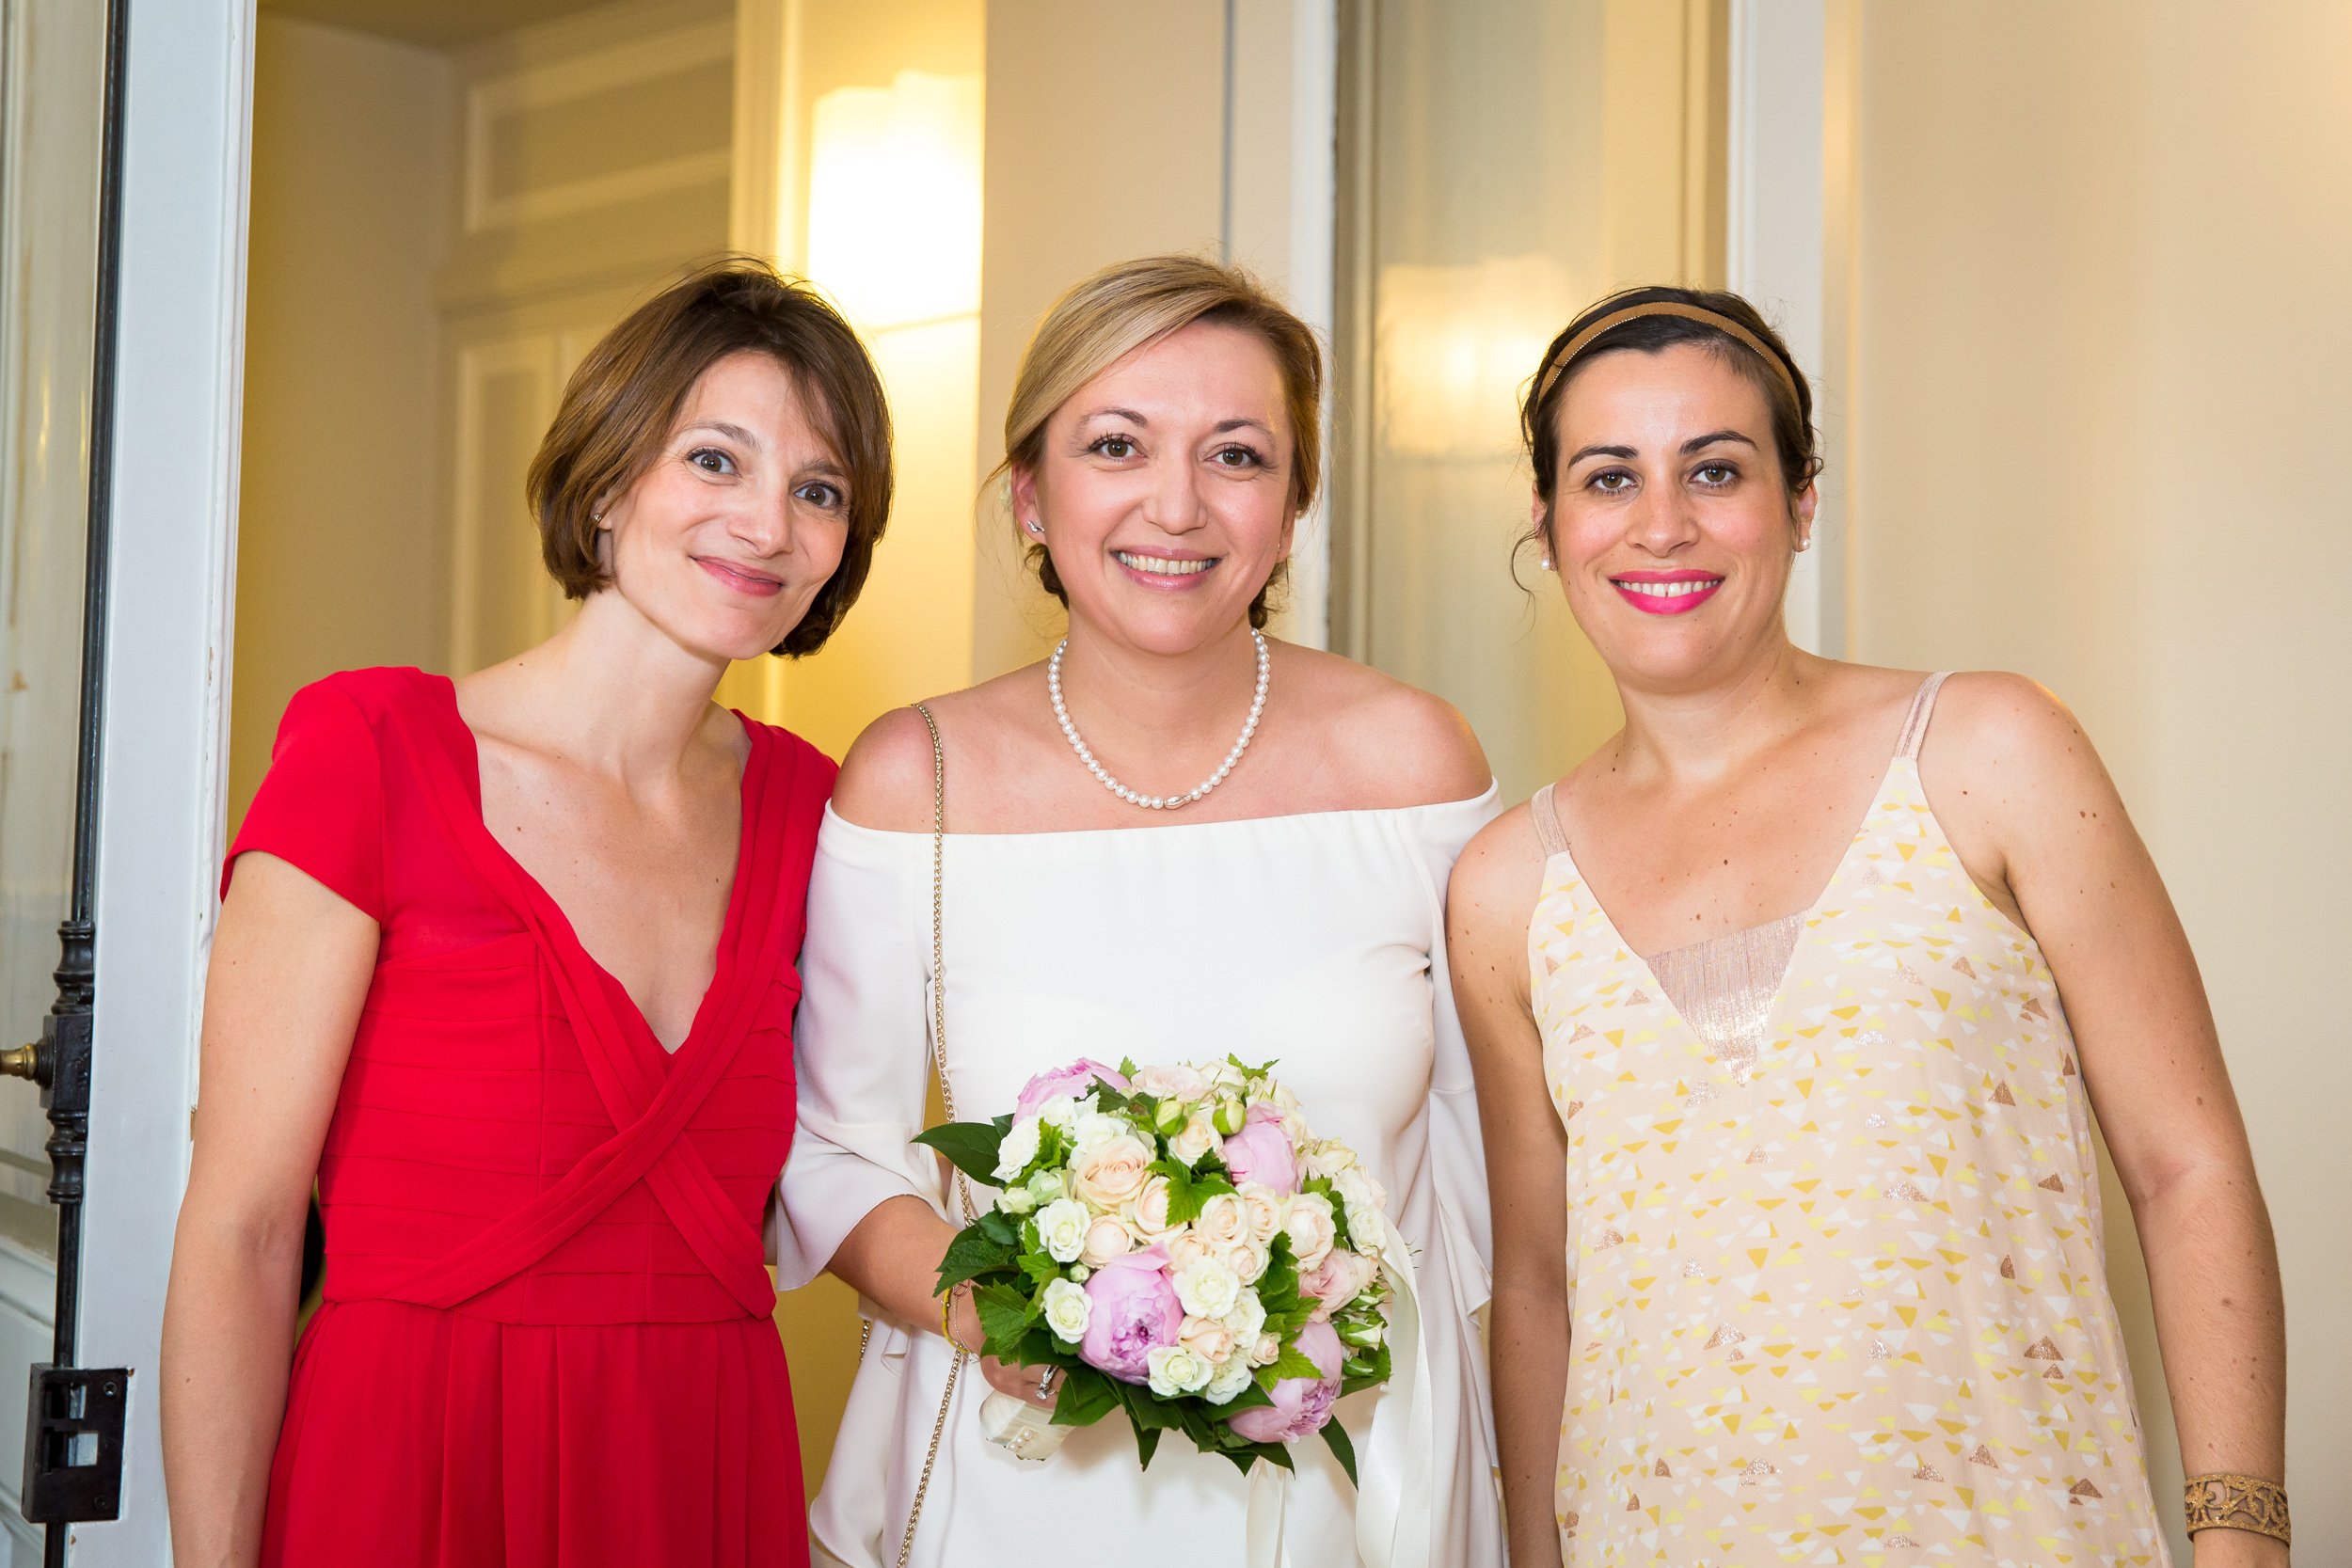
(946, 1094)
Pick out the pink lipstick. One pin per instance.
(1666, 592)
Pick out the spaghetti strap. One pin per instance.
(1548, 830)
(1922, 709)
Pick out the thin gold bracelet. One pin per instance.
(947, 1319)
(2226, 1500)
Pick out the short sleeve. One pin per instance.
(321, 805)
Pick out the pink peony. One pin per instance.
(1077, 1079)
(1134, 1309)
(1301, 1405)
(1261, 1152)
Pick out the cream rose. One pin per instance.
(1207, 1337)
(1068, 1310)
(1147, 1216)
(1186, 1249)
(1268, 1350)
(1264, 1206)
(1229, 1380)
(1092, 1129)
(1106, 1239)
(1171, 1083)
(1309, 1224)
(1223, 1222)
(1249, 1260)
(1207, 1288)
(1111, 1172)
(1328, 1158)
(1172, 1369)
(1061, 1228)
(1198, 1138)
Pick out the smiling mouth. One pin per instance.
(757, 584)
(1163, 566)
(1678, 595)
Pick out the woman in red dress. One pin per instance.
(505, 965)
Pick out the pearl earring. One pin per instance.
(1546, 563)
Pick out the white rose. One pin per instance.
(1357, 1189)
(1091, 1128)
(1309, 1224)
(1296, 1129)
(1199, 1137)
(1279, 1093)
(1208, 1288)
(1227, 1382)
(1264, 1206)
(1018, 1148)
(1249, 1260)
(1045, 1186)
(1111, 1174)
(1173, 1370)
(1061, 1228)
(1225, 1075)
(1248, 1318)
(1329, 1158)
(1170, 1083)
(1208, 1338)
(1147, 1216)
(1106, 1239)
(1068, 1310)
(1269, 1351)
(1059, 1111)
(1015, 1200)
(1223, 1222)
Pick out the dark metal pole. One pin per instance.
(67, 1094)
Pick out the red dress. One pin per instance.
(547, 1338)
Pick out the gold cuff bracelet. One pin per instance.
(2223, 1500)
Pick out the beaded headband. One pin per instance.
(1721, 323)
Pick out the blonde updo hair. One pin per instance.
(1132, 305)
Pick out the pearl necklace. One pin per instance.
(1156, 802)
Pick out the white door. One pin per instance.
(122, 174)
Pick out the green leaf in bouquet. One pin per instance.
(1250, 1398)
(970, 1255)
(1147, 1443)
(1087, 1396)
(1038, 1270)
(1000, 1228)
(1293, 1362)
(1335, 1437)
(969, 1145)
(1148, 1410)
(1365, 1370)
(1005, 1314)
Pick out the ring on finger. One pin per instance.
(1045, 1384)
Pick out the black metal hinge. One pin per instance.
(73, 1444)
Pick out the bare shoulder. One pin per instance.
(885, 780)
(1502, 865)
(2007, 734)
(1406, 746)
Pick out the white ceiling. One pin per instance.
(437, 24)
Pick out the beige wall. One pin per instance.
(340, 530)
(2102, 341)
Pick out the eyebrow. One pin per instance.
(1127, 414)
(733, 432)
(1224, 426)
(1694, 444)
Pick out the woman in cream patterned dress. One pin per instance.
(1797, 1229)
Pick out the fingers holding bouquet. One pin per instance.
(1172, 1240)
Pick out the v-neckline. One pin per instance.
(1807, 918)
(468, 758)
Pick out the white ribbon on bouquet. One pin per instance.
(1396, 1468)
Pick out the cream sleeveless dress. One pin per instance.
(1838, 1291)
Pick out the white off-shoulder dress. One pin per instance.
(1314, 941)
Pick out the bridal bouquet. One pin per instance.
(1178, 1241)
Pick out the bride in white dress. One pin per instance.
(1285, 904)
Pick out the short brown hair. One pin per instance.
(620, 402)
(1131, 305)
(1788, 396)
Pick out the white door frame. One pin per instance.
(1777, 239)
(163, 775)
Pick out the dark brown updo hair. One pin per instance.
(620, 403)
(1786, 394)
